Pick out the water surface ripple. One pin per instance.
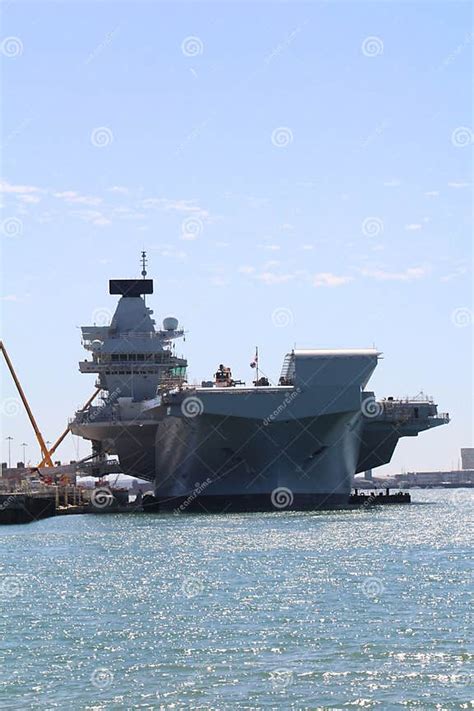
(367, 608)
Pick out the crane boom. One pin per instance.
(44, 450)
(64, 434)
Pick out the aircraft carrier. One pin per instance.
(224, 446)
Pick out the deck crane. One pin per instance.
(44, 450)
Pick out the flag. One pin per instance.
(254, 363)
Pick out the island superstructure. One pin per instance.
(223, 446)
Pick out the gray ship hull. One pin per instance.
(215, 463)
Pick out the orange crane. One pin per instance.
(39, 436)
(46, 461)
(64, 434)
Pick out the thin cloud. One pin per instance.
(182, 206)
(412, 227)
(409, 274)
(29, 199)
(73, 197)
(459, 184)
(18, 189)
(330, 280)
(270, 278)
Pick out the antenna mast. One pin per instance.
(144, 261)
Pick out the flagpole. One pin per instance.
(256, 354)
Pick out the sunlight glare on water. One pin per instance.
(364, 609)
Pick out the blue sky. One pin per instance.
(299, 173)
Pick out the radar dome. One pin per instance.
(170, 323)
(97, 345)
